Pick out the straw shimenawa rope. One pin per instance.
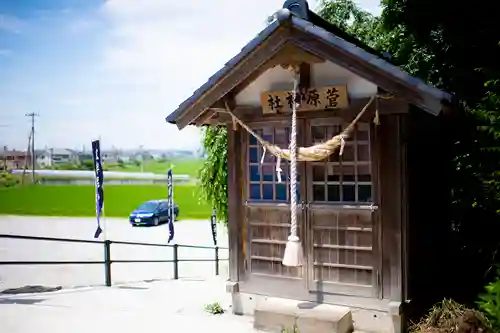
(293, 251)
(317, 152)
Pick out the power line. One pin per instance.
(32, 115)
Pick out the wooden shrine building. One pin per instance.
(368, 220)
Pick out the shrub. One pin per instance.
(449, 316)
(8, 180)
(489, 302)
(214, 308)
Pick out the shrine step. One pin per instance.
(282, 315)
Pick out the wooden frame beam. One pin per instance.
(248, 113)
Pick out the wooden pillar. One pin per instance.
(393, 202)
(390, 206)
(234, 174)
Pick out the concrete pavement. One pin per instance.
(166, 306)
(186, 232)
(155, 306)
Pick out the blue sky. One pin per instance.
(114, 69)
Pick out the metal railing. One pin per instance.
(107, 254)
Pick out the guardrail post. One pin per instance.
(176, 261)
(107, 262)
(216, 260)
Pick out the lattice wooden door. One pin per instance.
(268, 204)
(341, 240)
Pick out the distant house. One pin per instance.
(56, 156)
(109, 156)
(43, 159)
(115, 156)
(125, 158)
(157, 156)
(14, 159)
(83, 156)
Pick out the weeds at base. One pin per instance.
(214, 308)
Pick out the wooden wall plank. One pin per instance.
(390, 206)
(235, 220)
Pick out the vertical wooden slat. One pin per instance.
(390, 157)
(376, 148)
(305, 228)
(234, 153)
(404, 130)
(243, 214)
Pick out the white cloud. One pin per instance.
(82, 25)
(174, 44)
(74, 101)
(153, 55)
(10, 23)
(168, 49)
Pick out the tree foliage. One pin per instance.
(213, 174)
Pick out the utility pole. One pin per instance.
(26, 158)
(32, 115)
(5, 149)
(142, 157)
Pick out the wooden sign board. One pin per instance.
(325, 98)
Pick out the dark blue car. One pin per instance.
(152, 212)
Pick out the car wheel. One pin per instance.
(156, 221)
(176, 217)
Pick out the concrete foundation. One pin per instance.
(275, 314)
(278, 314)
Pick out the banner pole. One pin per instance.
(170, 200)
(105, 225)
(99, 192)
(172, 215)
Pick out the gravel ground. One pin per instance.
(190, 232)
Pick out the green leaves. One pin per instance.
(346, 15)
(489, 302)
(213, 174)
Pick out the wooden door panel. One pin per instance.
(340, 215)
(269, 227)
(268, 203)
(342, 248)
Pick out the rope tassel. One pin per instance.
(294, 254)
(342, 145)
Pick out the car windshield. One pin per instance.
(148, 206)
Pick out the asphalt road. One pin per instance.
(190, 232)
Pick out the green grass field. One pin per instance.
(189, 167)
(79, 200)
